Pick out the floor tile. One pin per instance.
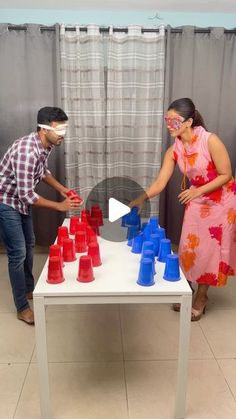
(228, 368)
(151, 390)
(83, 336)
(12, 379)
(219, 328)
(17, 339)
(78, 390)
(223, 297)
(152, 334)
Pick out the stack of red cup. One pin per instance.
(94, 225)
(85, 273)
(96, 212)
(91, 235)
(62, 233)
(85, 216)
(80, 241)
(94, 252)
(55, 250)
(74, 220)
(68, 250)
(55, 273)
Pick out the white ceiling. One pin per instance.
(224, 6)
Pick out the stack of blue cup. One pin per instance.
(154, 237)
(161, 235)
(164, 250)
(145, 277)
(150, 255)
(144, 224)
(133, 231)
(172, 272)
(154, 222)
(137, 243)
(147, 245)
(134, 217)
(147, 231)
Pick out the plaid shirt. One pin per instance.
(21, 169)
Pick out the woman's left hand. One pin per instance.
(188, 195)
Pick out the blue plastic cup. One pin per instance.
(145, 277)
(147, 245)
(155, 239)
(134, 216)
(144, 224)
(123, 221)
(161, 235)
(154, 221)
(137, 243)
(132, 232)
(147, 231)
(150, 255)
(172, 272)
(164, 250)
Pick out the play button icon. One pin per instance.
(113, 196)
(117, 210)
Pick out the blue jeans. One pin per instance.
(17, 233)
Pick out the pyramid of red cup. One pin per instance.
(84, 230)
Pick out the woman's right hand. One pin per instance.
(138, 202)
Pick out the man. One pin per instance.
(22, 167)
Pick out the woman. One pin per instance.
(207, 249)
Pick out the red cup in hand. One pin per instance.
(73, 195)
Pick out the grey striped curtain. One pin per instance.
(83, 99)
(135, 90)
(113, 92)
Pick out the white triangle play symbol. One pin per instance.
(117, 209)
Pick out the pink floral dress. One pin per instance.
(207, 249)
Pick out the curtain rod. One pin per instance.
(106, 29)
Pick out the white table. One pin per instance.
(115, 283)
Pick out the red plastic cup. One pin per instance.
(73, 195)
(93, 222)
(91, 235)
(80, 241)
(85, 273)
(55, 250)
(81, 226)
(100, 217)
(68, 250)
(94, 252)
(85, 216)
(74, 220)
(96, 212)
(62, 233)
(55, 273)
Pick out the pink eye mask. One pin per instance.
(174, 123)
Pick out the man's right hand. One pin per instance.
(68, 205)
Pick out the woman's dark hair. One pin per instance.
(50, 114)
(186, 108)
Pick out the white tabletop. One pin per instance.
(116, 276)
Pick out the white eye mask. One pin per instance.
(59, 129)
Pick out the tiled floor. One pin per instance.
(118, 362)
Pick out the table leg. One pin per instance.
(41, 347)
(184, 337)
